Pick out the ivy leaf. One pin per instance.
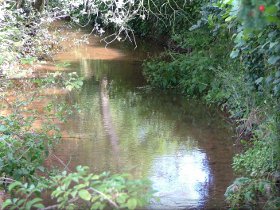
(85, 195)
(273, 59)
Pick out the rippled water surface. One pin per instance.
(181, 145)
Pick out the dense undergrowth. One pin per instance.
(225, 52)
(29, 124)
(233, 61)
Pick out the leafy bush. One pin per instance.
(23, 148)
(238, 63)
(190, 74)
(265, 149)
(81, 189)
(246, 192)
(194, 72)
(164, 18)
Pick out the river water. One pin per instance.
(182, 146)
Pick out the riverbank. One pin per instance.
(247, 88)
(211, 69)
(33, 107)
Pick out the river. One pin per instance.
(181, 145)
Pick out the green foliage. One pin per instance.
(81, 188)
(165, 17)
(28, 193)
(23, 150)
(255, 35)
(195, 40)
(245, 192)
(237, 60)
(266, 152)
(247, 85)
(70, 81)
(192, 73)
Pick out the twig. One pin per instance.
(6, 180)
(106, 197)
(62, 163)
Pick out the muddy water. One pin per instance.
(182, 146)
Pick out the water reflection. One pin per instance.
(181, 145)
(182, 180)
(107, 119)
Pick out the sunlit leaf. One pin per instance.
(14, 185)
(7, 203)
(132, 203)
(234, 53)
(29, 204)
(85, 195)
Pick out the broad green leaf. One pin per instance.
(7, 203)
(20, 202)
(85, 195)
(13, 185)
(271, 10)
(74, 193)
(229, 18)
(39, 206)
(96, 205)
(80, 186)
(122, 198)
(29, 204)
(95, 177)
(131, 203)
